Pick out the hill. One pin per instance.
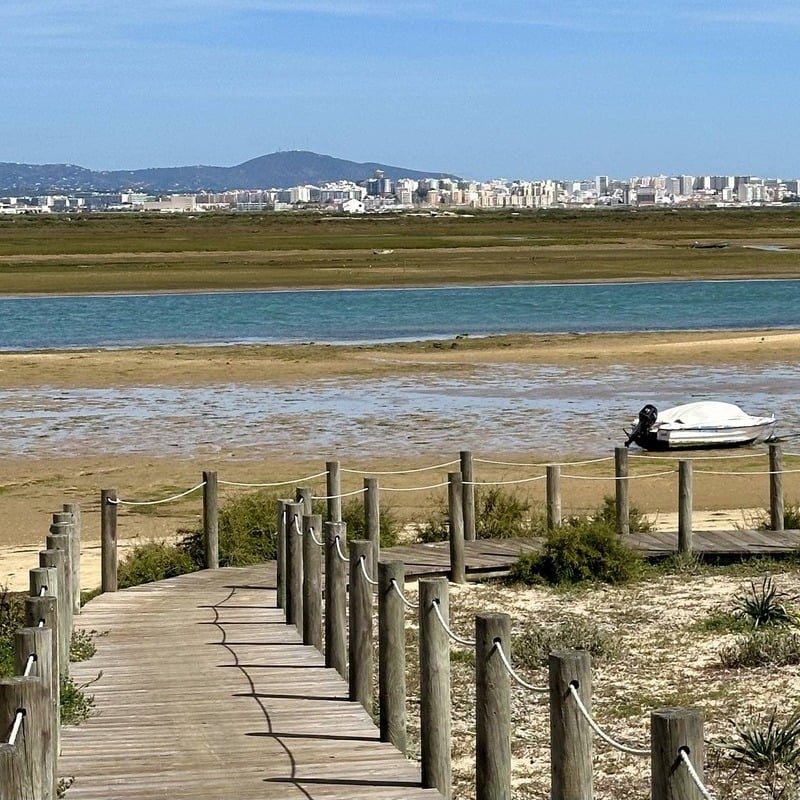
(274, 171)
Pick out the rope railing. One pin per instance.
(635, 751)
(650, 457)
(338, 542)
(401, 471)
(313, 537)
(510, 670)
(119, 502)
(749, 473)
(683, 753)
(15, 728)
(415, 488)
(505, 483)
(447, 629)
(362, 562)
(543, 463)
(278, 483)
(338, 496)
(406, 602)
(297, 524)
(29, 662)
(619, 478)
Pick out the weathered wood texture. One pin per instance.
(207, 694)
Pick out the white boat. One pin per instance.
(706, 423)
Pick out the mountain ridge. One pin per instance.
(278, 170)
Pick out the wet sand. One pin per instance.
(148, 422)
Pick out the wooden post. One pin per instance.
(570, 734)
(456, 512)
(38, 642)
(685, 506)
(334, 490)
(54, 559)
(60, 541)
(468, 494)
(43, 581)
(392, 653)
(108, 540)
(43, 612)
(553, 480)
(280, 551)
(492, 708)
(312, 581)
(211, 519)
(335, 599)
(294, 566)
(372, 520)
(305, 495)
(434, 679)
(64, 522)
(360, 644)
(75, 549)
(623, 506)
(28, 778)
(776, 487)
(671, 730)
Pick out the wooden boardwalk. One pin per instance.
(203, 692)
(206, 694)
(486, 557)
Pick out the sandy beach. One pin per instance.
(50, 457)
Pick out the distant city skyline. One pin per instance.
(484, 89)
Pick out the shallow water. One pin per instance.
(511, 408)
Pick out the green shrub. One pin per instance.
(761, 648)
(533, 646)
(153, 561)
(247, 532)
(607, 514)
(577, 551)
(722, 622)
(76, 705)
(498, 515)
(12, 618)
(81, 645)
(353, 517)
(767, 741)
(764, 605)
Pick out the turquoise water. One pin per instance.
(358, 316)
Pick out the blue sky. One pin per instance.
(498, 88)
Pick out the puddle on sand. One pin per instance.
(504, 408)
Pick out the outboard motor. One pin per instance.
(647, 418)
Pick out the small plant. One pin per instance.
(12, 618)
(533, 646)
(353, 517)
(607, 513)
(764, 605)
(578, 551)
(82, 646)
(76, 705)
(722, 622)
(761, 648)
(153, 561)
(767, 740)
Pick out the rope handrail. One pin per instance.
(313, 537)
(504, 483)
(636, 751)
(362, 562)
(510, 670)
(338, 542)
(542, 463)
(406, 602)
(30, 661)
(447, 629)
(415, 488)
(621, 478)
(279, 483)
(754, 472)
(18, 717)
(298, 528)
(401, 471)
(699, 458)
(338, 496)
(119, 502)
(43, 591)
(683, 752)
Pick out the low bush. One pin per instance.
(353, 517)
(607, 513)
(12, 618)
(76, 705)
(534, 644)
(578, 551)
(153, 561)
(247, 532)
(761, 648)
(764, 605)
